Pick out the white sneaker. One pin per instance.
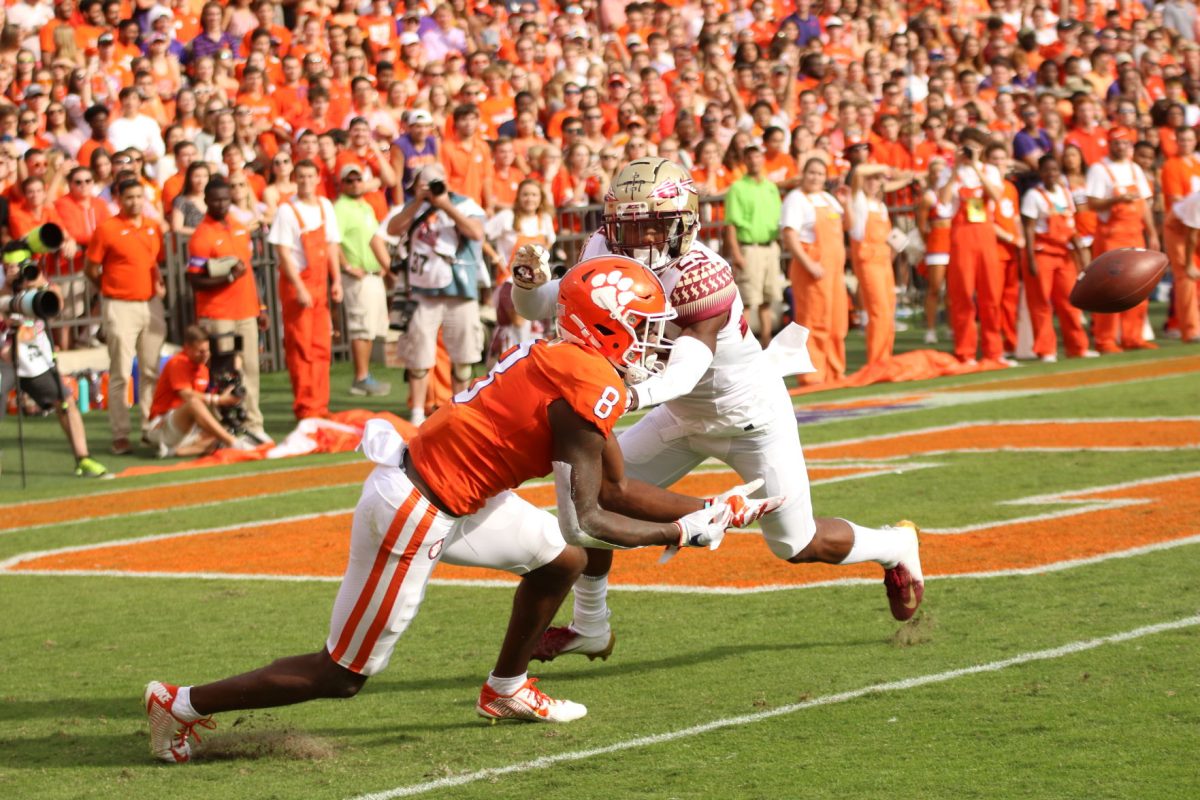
(931, 337)
(1050, 359)
(527, 703)
(1090, 354)
(1009, 362)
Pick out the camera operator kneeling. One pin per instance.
(183, 421)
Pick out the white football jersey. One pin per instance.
(735, 392)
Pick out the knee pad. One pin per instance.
(462, 372)
(417, 374)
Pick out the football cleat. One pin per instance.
(528, 703)
(168, 733)
(905, 583)
(563, 640)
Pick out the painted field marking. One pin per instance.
(1072, 648)
(1106, 519)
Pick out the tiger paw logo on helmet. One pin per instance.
(612, 290)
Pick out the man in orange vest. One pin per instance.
(1011, 240)
(1119, 193)
(306, 238)
(975, 276)
(1055, 253)
(1180, 178)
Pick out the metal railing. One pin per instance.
(574, 226)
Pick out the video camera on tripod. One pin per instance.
(39, 302)
(224, 375)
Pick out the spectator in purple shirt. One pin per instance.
(806, 21)
(212, 38)
(1031, 142)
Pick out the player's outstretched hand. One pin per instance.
(746, 510)
(531, 266)
(706, 527)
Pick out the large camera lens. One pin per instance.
(41, 303)
(437, 188)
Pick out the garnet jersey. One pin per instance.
(735, 391)
(496, 434)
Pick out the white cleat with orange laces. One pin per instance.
(527, 703)
(168, 733)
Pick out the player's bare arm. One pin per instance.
(578, 455)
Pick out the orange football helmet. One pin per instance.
(617, 307)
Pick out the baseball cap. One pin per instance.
(349, 169)
(105, 38)
(833, 22)
(617, 79)
(34, 90)
(855, 141)
(409, 37)
(1120, 133)
(636, 119)
(157, 12)
(428, 173)
(633, 39)
(419, 116)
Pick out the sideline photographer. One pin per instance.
(219, 257)
(442, 234)
(28, 301)
(183, 416)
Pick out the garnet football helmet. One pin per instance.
(652, 212)
(617, 307)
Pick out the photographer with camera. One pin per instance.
(38, 377)
(183, 416)
(442, 233)
(975, 276)
(219, 257)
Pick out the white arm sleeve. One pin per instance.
(539, 303)
(690, 359)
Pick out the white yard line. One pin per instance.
(10, 567)
(545, 762)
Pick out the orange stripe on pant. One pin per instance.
(1131, 322)
(1187, 306)
(381, 559)
(974, 283)
(1047, 293)
(389, 599)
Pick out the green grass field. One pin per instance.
(802, 692)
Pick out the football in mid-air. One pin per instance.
(1118, 280)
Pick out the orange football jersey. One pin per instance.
(496, 434)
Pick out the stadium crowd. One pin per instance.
(968, 147)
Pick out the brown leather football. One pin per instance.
(1118, 280)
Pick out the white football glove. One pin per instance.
(745, 510)
(706, 527)
(531, 266)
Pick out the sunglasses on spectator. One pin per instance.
(573, 131)
(82, 181)
(352, 179)
(594, 116)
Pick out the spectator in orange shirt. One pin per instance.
(80, 211)
(467, 160)
(778, 165)
(227, 301)
(124, 260)
(507, 175)
(375, 167)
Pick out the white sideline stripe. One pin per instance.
(49, 501)
(544, 762)
(1040, 569)
(189, 507)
